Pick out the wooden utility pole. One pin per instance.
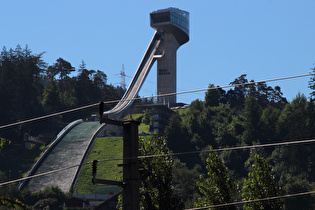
(131, 176)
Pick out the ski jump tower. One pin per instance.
(173, 25)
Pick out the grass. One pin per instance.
(103, 148)
(181, 111)
(142, 127)
(135, 116)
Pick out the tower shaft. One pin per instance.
(166, 69)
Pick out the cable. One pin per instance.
(173, 154)
(42, 174)
(216, 150)
(256, 200)
(232, 148)
(47, 116)
(226, 86)
(148, 97)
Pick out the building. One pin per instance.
(173, 24)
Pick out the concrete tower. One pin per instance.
(173, 25)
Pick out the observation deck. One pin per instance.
(173, 21)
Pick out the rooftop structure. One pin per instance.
(172, 20)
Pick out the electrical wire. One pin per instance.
(148, 97)
(47, 116)
(256, 200)
(233, 148)
(42, 174)
(164, 155)
(235, 85)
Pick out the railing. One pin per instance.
(139, 77)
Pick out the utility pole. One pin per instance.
(131, 175)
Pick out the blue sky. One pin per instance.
(264, 39)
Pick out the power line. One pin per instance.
(47, 116)
(233, 148)
(148, 97)
(226, 86)
(205, 207)
(256, 200)
(163, 155)
(42, 174)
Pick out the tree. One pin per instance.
(100, 79)
(63, 68)
(85, 90)
(20, 87)
(277, 100)
(183, 182)
(51, 100)
(227, 125)
(49, 198)
(156, 189)
(212, 97)
(296, 184)
(156, 178)
(217, 188)
(177, 137)
(6, 194)
(252, 113)
(293, 119)
(236, 97)
(198, 123)
(46, 203)
(261, 184)
(147, 117)
(10, 203)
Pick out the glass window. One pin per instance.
(178, 17)
(181, 18)
(160, 17)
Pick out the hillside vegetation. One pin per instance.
(104, 149)
(247, 115)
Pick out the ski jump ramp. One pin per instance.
(72, 145)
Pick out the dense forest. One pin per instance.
(29, 87)
(245, 115)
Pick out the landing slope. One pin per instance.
(68, 152)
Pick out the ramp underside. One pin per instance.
(68, 152)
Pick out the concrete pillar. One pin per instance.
(166, 69)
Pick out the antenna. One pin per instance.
(123, 75)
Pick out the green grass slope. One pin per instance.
(103, 149)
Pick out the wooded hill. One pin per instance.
(29, 87)
(248, 115)
(243, 115)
